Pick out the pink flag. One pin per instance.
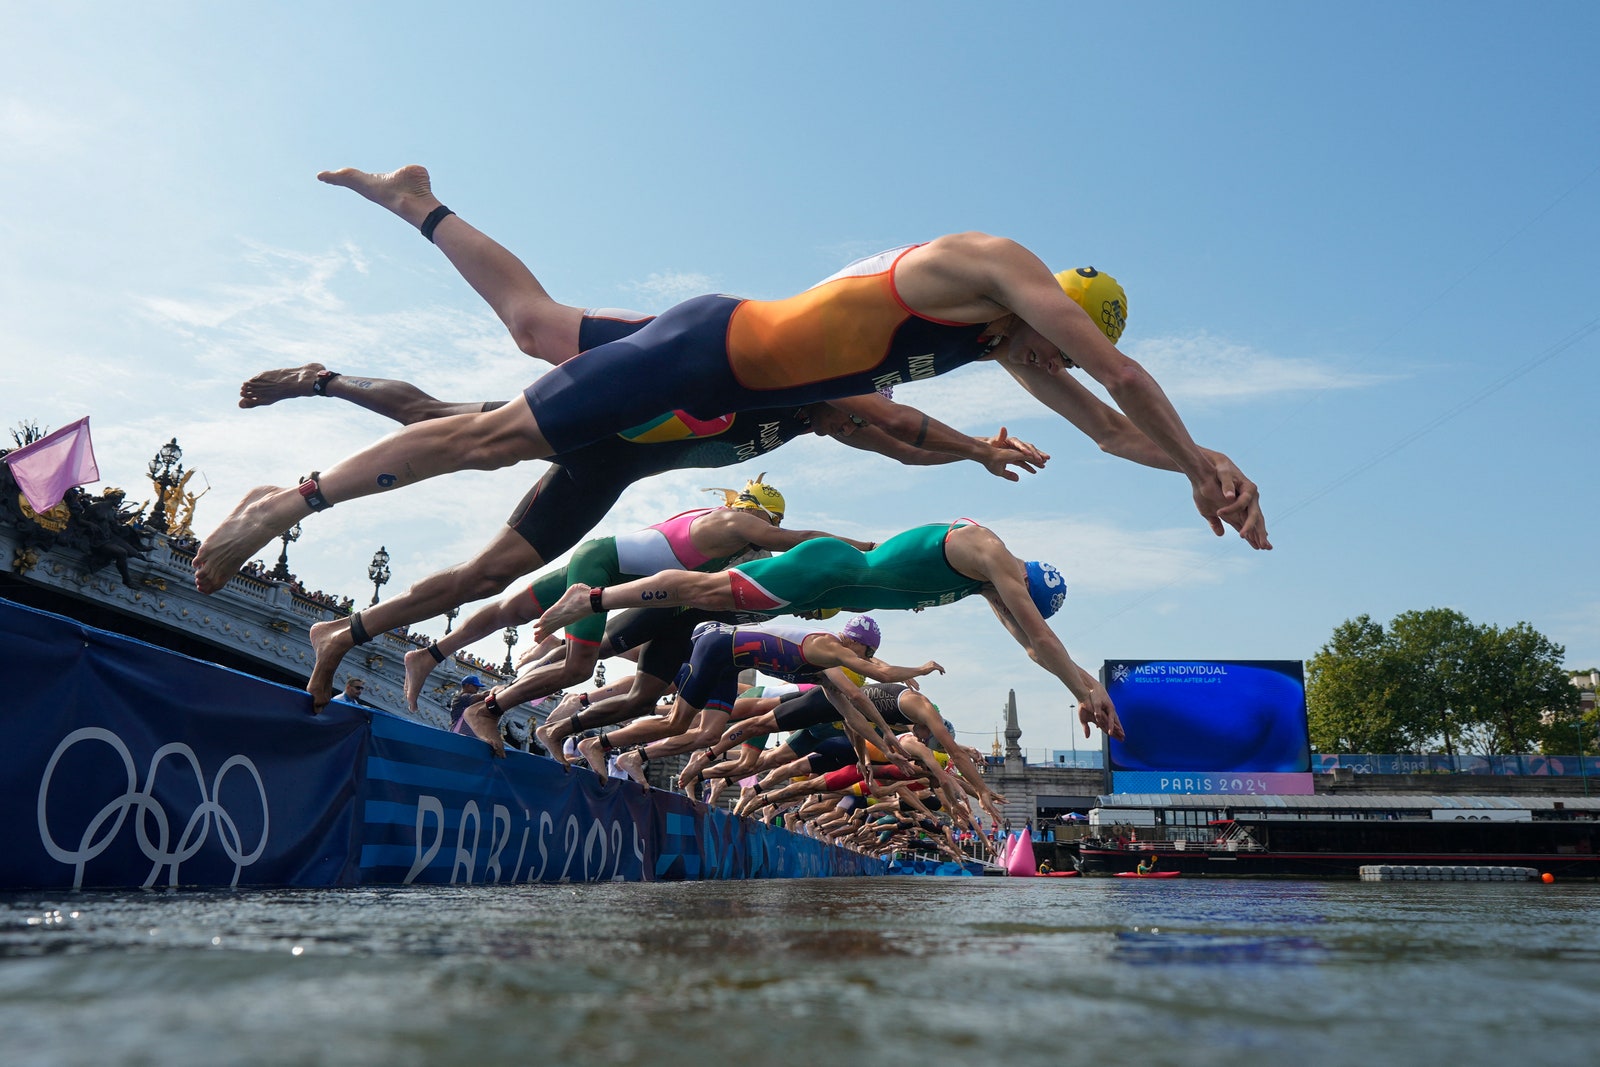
(46, 469)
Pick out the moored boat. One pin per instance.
(1558, 836)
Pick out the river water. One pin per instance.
(879, 971)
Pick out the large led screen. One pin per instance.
(1215, 716)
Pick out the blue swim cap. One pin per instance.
(1046, 587)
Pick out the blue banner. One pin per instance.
(1252, 783)
(439, 811)
(128, 765)
(1438, 763)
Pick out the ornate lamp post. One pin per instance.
(378, 572)
(166, 471)
(281, 571)
(510, 637)
(600, 675)
(450, 620)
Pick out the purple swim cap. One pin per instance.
(862, 628)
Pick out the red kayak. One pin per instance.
(1147, 874)
(1062, 874)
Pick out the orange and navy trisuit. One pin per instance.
(580, 486)
(846, 336)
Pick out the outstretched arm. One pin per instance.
(862, 720)
(1116, 435)
(763, 534)
(968, 276)
(1045, 649)
(979, 553)
(924, 755)
(922, 709)
(903, 433)
(826, 650)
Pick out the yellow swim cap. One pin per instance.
(756, 495)
(759, 496)
(1099, 295)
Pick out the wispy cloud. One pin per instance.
(283, 282)
(664, 290)
(1200, 370)
(1204, 368)
(31, 131)
(1104, 559)
(292, 312)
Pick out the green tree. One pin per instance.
(1516, 696)
(1358, 693)
(1434, 679)
(1434, 649)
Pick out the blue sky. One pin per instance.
(1361, 245)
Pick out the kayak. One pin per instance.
(1062, 874)
(1147, 874)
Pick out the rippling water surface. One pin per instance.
(880, 971)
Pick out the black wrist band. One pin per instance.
(594, 599)
(320, 384)
(312, 492)
(433, 650)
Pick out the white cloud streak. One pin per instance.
(664, 290)
(33, 132)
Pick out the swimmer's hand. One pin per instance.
(1243, 512)
(1036, 456)
(1004, 452)
(1098, 709)
(911, 674)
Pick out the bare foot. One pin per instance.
(691, 772)
(716, 791)
(271, 386)
(547, 736)
(407, 192)
(632, 764)
(486, 727)
(264, 513)
(330, 641)
(589, 748)
(571, 704)
(573, 605)
(750, 800)
(419, 664)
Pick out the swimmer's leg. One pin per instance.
(541, 327)
(397, 400)
(667, 589)
(507, 557)
(486, 441)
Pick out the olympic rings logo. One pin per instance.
(164, 850)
